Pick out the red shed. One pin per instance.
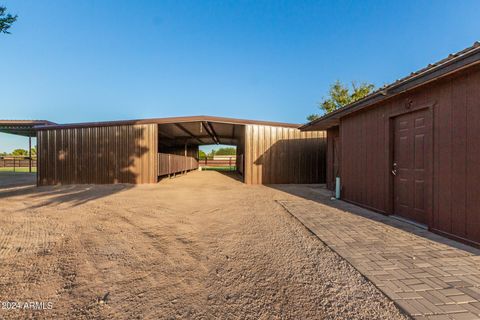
(412, 148)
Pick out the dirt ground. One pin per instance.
(200, 246)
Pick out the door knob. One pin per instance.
(394, 170)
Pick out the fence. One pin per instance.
(218, 163)
(171, 163)
(17, 162)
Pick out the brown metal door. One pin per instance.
(411, 166)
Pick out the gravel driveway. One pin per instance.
(201, 246)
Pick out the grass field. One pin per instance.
(18, 169)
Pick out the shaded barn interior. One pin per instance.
(183, 139)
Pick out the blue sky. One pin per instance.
(73, 61)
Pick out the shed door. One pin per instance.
(411, 165)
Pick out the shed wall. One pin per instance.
(366, 163)
(284, 155)
(98, 155)
(333, 156)
(240, 159)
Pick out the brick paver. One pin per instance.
(428, 276)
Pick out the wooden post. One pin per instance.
(30, 154)
(185, 162)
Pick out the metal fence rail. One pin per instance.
(17, 162)
(171, 164)
(218, 163)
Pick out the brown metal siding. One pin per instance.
(284, 155)
(333, 156)
(98, 155)
(366, 150)
(363, 159)
(457, 157)
(240, 159)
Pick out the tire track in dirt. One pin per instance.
(30, 233)
(182, 249)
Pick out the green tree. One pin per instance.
(19, 152)
(6, 20)
(201, 154)
(33, 151)
(226, 151)
(341, 95)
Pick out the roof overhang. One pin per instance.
(196, 130)
(169, 120)
(454, 63)
(200, 133)
(27, 128)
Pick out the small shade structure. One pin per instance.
(135, 151)
(26, 128)
(412, 148)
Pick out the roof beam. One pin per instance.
(168, 135)
(179, 126)
(211, 132)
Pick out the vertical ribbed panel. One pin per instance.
(284, 155)
(98, 155)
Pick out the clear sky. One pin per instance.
(73, 61)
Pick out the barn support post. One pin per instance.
(30, 154)
(185, 168)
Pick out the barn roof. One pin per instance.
(169, 120)
(22, 127)
(453, 63)
(194, 129)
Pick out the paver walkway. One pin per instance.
(428, 276)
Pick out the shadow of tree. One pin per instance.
(109, 157)
(72, 195)
(97, 155)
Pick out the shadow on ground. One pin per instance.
(24, 184)
(318, 193)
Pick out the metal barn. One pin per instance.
(412, 148)
(142, 151)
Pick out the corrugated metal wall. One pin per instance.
(333, 156)
(240, 159)
(283, 155)
(365, 165)
(98, 155)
